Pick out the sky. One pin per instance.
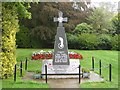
(105, 0)
(115, 2)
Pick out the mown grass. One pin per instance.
(106, 57)
(9, 83)
(23, 53)
(32, 66)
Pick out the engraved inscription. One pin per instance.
(60, 58)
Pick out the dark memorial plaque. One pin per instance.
(60, 56)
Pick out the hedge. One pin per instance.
(93, 41)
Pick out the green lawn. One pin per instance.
(106, 57)
(32, 66)
(9, 83)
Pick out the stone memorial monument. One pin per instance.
(60, 56)
(61, 64)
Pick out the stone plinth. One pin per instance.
(61, 69)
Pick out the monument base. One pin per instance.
(73, 68)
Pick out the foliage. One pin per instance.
(38, 72)
(83, 41)
(83, 28)
(23, 37)
(100, 19)
(85, 70)
(104, 42)
(116, 23)
(88, 41)
(73, 41)
(41, 26)
(10, 27)
(115, 42)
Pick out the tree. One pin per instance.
(10, 25)
(116, 23)
(23, 37)
(100, 19)
(41, 26)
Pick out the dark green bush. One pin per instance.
(73, 41)
(93, 41)
(83, 41)
(104, 42)
(23, 37)
(83, 28)
(88, 41)
(115, 42)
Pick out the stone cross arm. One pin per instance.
(60, 19)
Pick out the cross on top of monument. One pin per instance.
(60, 19)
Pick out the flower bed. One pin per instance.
(49, 54)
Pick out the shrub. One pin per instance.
(10, 25)
(115, 42)
(23, 37)
(83, 28)
(8, 55)
(104, 42)
(73, 41)
(85, 70)
(38, 72)
(88, 41)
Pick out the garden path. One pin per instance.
(65, 83)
